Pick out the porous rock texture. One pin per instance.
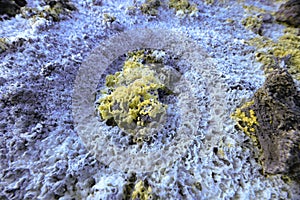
(277, 106)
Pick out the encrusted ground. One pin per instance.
(43, 46)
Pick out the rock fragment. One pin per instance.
(289, 13)
(277, 107)
(10, 7)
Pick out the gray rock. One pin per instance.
(277, 106)
(289, 13)
(11, 8)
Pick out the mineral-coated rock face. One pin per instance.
(289, 13)
(277, 106)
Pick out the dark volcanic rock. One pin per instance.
(20, 3)
(277, 107)
(289, 13)
(10, 7)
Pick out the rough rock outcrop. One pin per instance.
(277, 107)
(289, 13)
(10, 7)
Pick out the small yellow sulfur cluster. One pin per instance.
(131, 97)
(183, 7)
(246, 121)
(141, 192)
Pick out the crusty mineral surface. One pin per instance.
(49, 45)
(277, 106)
